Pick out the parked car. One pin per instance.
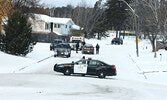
(88, 48)
(62, 49)
(55, 42)
(117, 41)
(87, 67)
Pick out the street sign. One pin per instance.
(137, 40)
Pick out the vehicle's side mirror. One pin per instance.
(72, 62)
(76, 63)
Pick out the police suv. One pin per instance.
(87, 67)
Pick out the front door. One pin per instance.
(80, 67)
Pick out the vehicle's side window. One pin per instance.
(81, 62)
(92, 63)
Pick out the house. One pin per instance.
(46, 24)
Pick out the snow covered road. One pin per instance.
(38, 81)
(60, 87)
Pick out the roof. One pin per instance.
(76, 27)
(53, 19)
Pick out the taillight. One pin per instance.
(84, 48)
(92, 48)
(113, 67)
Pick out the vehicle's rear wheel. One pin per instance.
(165, 48)
(101, 74)
(55, 55)
(67, 72)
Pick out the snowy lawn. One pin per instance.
(139, 78)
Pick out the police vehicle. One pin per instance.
(87, 67)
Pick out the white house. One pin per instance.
(46, 24)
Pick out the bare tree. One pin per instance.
(86, 17)
(25, 6)
(151, 19)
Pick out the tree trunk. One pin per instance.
(116, 33)
(124, 34)
(153, 45)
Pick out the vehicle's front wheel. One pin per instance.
(50, 48)
(67, 72)
(165, 48)
(55, 55)
(83, 74)
(101, 74)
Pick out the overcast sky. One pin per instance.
(60, 3)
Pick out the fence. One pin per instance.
(48, 38)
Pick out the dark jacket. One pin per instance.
(97, 47)
(77, 45)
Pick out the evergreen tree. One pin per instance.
(116, 14)
(18, 36)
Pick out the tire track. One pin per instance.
(39, 61)
(138, 67)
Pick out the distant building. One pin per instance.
(46, 24)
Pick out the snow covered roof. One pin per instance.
(53, 19)
(76, 27)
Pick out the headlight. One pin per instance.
(61, 66)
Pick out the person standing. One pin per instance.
(97, 48)
(77, 46)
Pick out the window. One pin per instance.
(76, 41)
(70, 26)
(66, 26)
(93, 63)
(47, 26)
(55, 26)
(81, 62)
(59, 26)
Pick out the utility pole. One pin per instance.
(136, 25)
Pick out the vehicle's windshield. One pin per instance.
(57, 42)
(76, 41)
